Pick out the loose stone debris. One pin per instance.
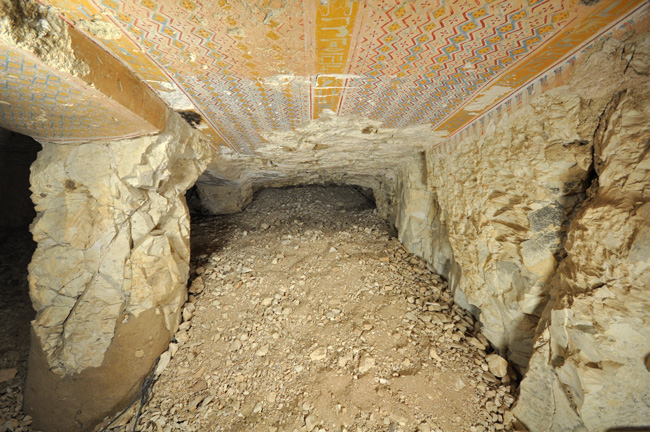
(304, 314)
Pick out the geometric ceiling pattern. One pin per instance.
(250, 67)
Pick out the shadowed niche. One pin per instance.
(191, 117)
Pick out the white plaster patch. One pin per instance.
(173, 96)
(486, 99)
(340, 76)
(99, 28)
(284, 79)
(287, 79)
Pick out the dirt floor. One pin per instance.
(306, 315)
(16, 312)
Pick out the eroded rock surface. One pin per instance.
(329, 150)
(506, 199)
(37, 28)
(545, 217)
(113, 239)
(596, 333)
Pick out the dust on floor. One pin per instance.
(306, 315)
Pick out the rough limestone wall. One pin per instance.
(113, 239)
(592, 355)
(329, 150)
(37, 28)
(508, 196)
(548, 218)
(420, 221)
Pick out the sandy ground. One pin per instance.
(306, 315)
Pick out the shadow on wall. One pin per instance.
(17, 152)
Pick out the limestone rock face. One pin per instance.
(503, 202)
(497, 364)
(597, 332)
(223, 196)
(37, 28)
(113, 239)
(541, 225)
(421, 222)
(329, 150)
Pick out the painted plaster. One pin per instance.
(254, 67)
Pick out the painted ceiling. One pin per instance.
(254, 66)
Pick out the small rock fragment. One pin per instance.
(235, 345)
(195, 403)
(163, 362)
(197, 285)
(318, 354)
(366, 364)
(267, 301)
(199, 386)
(7, 374)
(182, 337)
(434, 354)
(263, 351)
(497, 365)
(173, 348)
(311, 422)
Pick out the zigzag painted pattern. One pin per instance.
(250, 70)
(440, 63)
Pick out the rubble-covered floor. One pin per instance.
(306, 315)
(16, 312)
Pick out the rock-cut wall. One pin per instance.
(542, 226)
(108, 277)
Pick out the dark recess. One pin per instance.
(17, 153)
(191, 117)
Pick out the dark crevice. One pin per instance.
(191, 117)
(601, 128)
